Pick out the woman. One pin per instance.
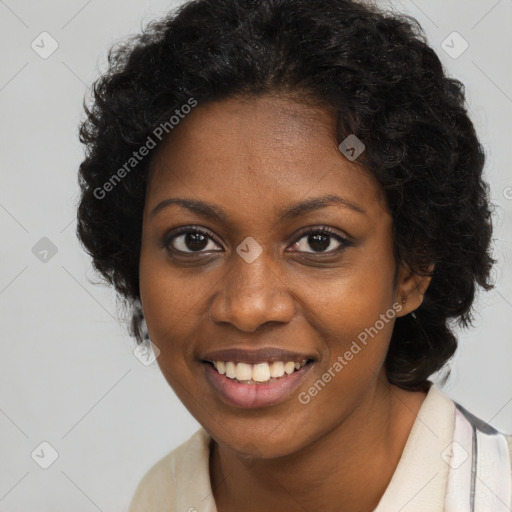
(289, 195)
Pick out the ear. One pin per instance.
(411, 288)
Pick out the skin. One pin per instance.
(252, 158)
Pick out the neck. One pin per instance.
(346, 470)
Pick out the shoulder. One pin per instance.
(481, 428)
(496, 442)
(166, 481)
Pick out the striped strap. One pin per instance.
(480, 474)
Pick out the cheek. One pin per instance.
(356, 336)
(167, 300)
(354, 313)
(355, 341)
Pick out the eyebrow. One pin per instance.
(212, 211)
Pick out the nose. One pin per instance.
(252, 294)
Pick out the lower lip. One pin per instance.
(251, 396)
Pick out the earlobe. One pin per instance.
(411, 288)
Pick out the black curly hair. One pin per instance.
(370, 66)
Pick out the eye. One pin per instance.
(320, 239)
(189, 239)
(193, 239)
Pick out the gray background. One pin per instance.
(68, 375)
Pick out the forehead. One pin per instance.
(265, 151)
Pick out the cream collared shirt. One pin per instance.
(180, 481)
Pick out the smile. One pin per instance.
(257, 373)
(256, 385)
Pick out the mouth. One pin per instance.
(258, 373)
(256, 385)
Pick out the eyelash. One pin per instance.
(311, 230)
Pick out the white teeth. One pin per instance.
(230, 370)
(243, 371)
(260, 372)
(289, 367)
(277, 369)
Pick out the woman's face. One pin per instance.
(254, 278)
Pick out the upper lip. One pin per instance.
(253, 356)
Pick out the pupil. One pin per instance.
(315, 239)
(195, 241)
